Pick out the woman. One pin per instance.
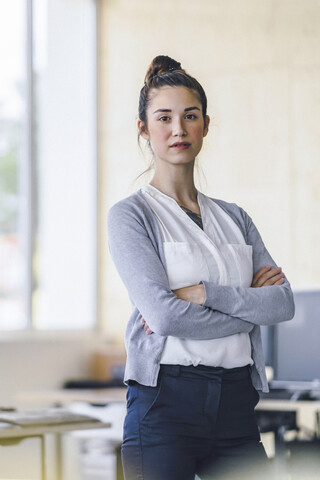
(201, 282)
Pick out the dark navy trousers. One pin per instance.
(196, 421)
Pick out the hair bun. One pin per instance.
(161, 65)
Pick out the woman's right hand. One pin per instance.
(268, 276)
(146, 327)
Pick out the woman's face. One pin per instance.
(175, 125)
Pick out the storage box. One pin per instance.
(109, 364)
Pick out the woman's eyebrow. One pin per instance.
(191, 108)
(168, 109)
(162, 110)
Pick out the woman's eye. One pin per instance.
(191, 116)
(164, 118)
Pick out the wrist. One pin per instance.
(202, 294)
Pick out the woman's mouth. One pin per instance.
(180, 145)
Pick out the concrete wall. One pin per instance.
(259, 62)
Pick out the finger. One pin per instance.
(273, 280)
(260, 272)
(279, 282)
(270, 280)
(143, 320)
(148, 330)
(267, 275)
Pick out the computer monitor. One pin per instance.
(293, 347)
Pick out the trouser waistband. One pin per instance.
(204, 371)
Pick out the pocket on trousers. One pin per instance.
(256, 396)
(236, 416)
(131, 394)
(178, 407)
(139, 400)
(147, 398)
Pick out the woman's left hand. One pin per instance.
(268, 276)
(193, 294)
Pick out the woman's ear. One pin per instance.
(206, 125)
(143, 130)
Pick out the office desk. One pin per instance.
(282, 416)
(307, 411)
(98, 397)
(64, 396)
(13, 434)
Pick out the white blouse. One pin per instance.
(218, 254)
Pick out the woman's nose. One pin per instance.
(178, 129)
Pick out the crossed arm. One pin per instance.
(266, 276)
(225, 311)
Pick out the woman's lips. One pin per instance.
(180, 145)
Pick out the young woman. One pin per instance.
(201, 283)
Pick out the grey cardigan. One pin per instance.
(135, 245)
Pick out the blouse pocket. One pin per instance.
(185, 264)
(240, 264)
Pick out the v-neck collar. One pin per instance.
(153, 191)
(197, 231)
(196, 217)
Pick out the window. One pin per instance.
(48, 164)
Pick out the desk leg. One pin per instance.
(280, 453)
(119, 464)
(59, 455)
(43, 458)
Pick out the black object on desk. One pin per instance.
(276, 394)
(94, 384)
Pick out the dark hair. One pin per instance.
(164, 71)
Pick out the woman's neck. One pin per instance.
(179, 185)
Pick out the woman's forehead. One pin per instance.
(167, 96)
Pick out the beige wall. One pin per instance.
(44, 361)
(259, 62)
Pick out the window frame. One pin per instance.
(30, 332)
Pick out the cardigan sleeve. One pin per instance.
(262, 306)
(143, 274)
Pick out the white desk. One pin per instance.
(105, 396)
(307, 411)
(280, 429)
(64, 396)
(10, 435)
